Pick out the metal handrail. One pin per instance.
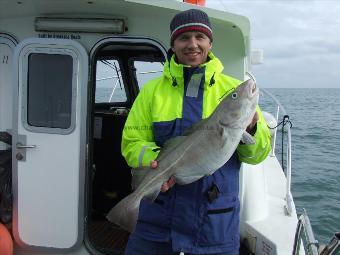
(333, 246)
(275, 131)
(118, 76)
(311, 243)
(289, 199)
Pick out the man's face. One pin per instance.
(191, 48)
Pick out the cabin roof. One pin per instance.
(142, 18)
(84, 8)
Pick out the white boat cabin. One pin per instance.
(69, 73)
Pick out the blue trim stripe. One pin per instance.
(164, 130)
(192, 107)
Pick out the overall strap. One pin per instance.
(193, 96)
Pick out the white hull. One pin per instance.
(264, 217)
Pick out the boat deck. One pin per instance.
(269, 230)
(107, 237)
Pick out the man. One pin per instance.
(201, 217)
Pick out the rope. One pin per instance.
(284, 122)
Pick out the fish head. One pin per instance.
(238, 108)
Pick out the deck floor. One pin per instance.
(111, 240)
(107, 237)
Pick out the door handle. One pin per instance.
(25, 146)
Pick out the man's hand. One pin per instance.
(251, 129)
(166, 185)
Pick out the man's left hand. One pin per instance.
(251, 129)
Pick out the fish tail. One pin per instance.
(125, 213)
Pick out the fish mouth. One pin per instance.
(252, 88)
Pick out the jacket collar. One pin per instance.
(173, 70)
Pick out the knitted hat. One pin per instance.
(190, 20)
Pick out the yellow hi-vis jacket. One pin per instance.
(161, 100)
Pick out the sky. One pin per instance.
(300, 40)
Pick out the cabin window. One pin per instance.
(147, 70)
(109, 83)
(49, 90)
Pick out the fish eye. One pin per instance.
(234, 95)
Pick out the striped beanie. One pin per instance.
(190, 20)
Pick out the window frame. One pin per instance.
(121, 69)
(24, 71)
(139, 59)
(131, 90)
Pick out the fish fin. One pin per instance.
(221, 130)
(125, 213)
(138, 175)
(247, 138)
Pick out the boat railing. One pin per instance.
(312, 247)
(285, 120)
(311, 243)
(117, 78)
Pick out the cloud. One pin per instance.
(303, 48)
(300, 40)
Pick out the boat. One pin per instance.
(69, 73)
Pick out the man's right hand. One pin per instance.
(166, 185)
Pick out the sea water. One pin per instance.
(315, 118)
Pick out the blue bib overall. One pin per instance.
(201, 217)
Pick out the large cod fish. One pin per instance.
(204, 148)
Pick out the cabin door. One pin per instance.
(49, 143)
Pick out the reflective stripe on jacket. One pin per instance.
(201, 217)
